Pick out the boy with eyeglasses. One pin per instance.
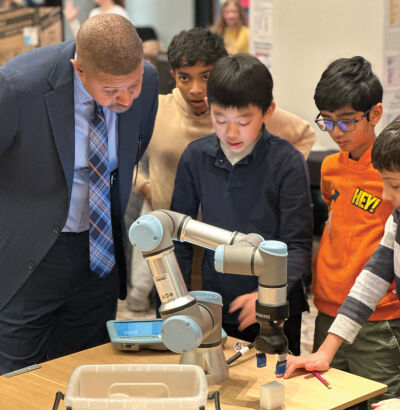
(349, 97)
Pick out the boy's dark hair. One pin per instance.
(348, 81)
(385, 153)
(240, 80)
(196, 45)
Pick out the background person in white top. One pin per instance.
(103, 6)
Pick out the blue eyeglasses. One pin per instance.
(345, 125)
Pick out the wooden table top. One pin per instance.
(36, 389)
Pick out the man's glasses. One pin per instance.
(345, 125)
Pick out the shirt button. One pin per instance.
(56, 229)
(31, 265)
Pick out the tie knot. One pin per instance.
(98, 113)
(98, 109)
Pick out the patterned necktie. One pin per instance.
(100, 230)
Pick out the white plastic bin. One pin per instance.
(137, 386)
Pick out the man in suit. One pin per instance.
(54, 299)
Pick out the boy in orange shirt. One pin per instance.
(349, 97)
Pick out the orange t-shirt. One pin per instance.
(357, 216)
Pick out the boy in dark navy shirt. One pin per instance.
(246, 179)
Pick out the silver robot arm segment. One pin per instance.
(185, 323)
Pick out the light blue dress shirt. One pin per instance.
(78, 215)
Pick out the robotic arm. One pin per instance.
(192, 321)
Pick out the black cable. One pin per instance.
(215, 396)
(240, 353)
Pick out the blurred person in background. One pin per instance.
(103, 6)
(9, 4)
(231, 26)
(246, 6)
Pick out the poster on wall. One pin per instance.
(394, 13)
(391, 80)
(391, 104)
(261, 30)
(393, 69)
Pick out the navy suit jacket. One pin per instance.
(37, 153)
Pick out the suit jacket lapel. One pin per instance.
(60, 108)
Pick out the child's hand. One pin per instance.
(247, 303)
(315, 361)
(391, 404)
(70, 11)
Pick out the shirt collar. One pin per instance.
(363, 163)
(81, 96)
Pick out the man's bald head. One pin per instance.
(109, 43)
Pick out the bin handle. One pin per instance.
(57, 399)
(158, 389)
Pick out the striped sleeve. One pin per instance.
(369, 288)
